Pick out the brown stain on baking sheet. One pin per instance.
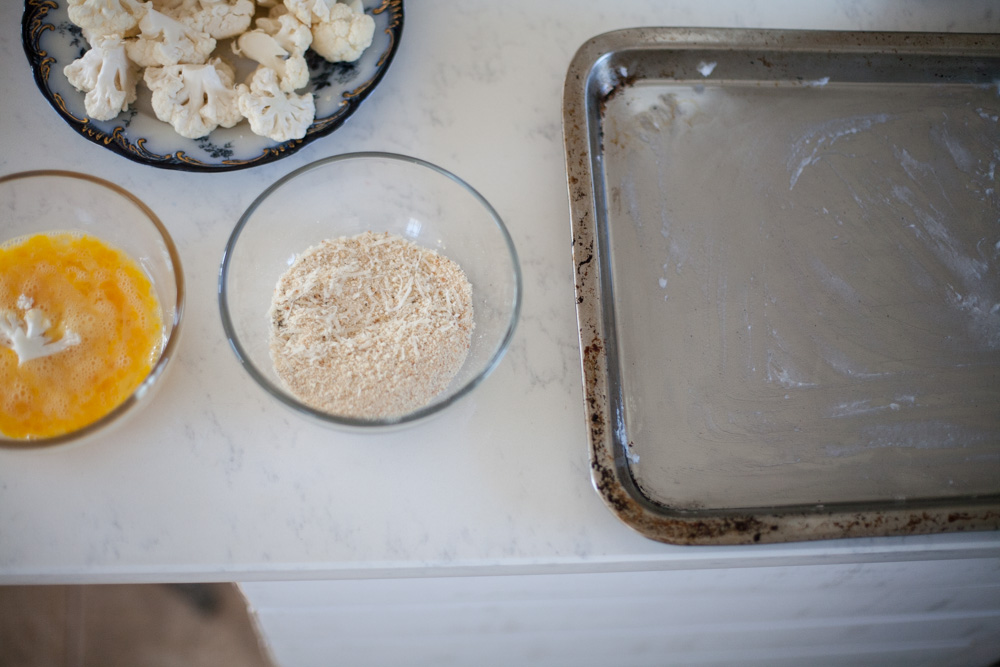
(692, 530)
(620, 84)
(606, 477)
(769, 54)
(707, 528)
(592, 355)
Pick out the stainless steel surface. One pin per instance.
(786, 248)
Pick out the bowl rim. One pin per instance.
(169, 346)
(355, 423)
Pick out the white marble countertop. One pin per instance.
(217, 481)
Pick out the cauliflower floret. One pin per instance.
(220, 19)
(292, 70)
(175, 8)
(356, 6)
(100, 18)
(310, 11)
(194, 99)
(293, 35)
(165, 41)
(272, 113)
(344, 36)
(106, 75)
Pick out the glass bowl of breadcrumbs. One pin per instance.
(369, 290)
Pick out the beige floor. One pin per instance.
(127, 625)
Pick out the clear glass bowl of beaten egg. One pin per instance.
(91, 298)
(370, 291)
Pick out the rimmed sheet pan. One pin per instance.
(787, 256)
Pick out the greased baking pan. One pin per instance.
(787, 256)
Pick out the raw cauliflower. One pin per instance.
(293, 35)
(194, 99)
(310, 11)
(100, 18)
(175, 42)
(221, 19)
(175, 8)
(166, 41)
(273, 113)
(106, 75)
(345, 35)
(291, 68)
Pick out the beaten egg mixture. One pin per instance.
(80, 329)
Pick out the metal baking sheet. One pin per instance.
(787, 256)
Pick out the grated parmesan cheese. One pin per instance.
(370, 326)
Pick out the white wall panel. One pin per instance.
(910, 613)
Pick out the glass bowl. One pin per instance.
(346, 195)
(51, 201)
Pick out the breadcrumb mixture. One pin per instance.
(370, 326)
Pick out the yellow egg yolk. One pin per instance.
(86, 289)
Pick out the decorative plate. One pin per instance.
(51, 41)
